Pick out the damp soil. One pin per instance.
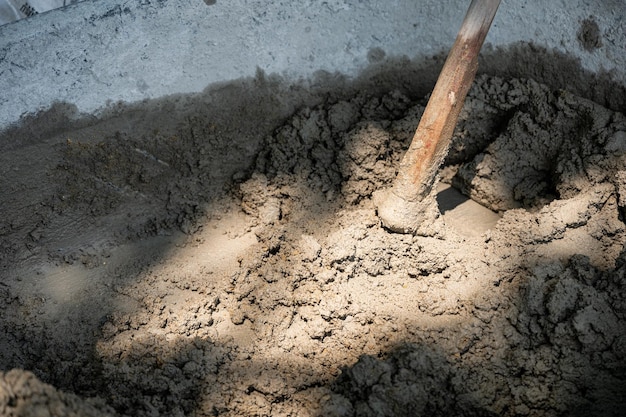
(154, 264)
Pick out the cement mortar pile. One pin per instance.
(284, 296)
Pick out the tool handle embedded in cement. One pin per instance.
(432, 138)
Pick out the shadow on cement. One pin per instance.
(77, 186)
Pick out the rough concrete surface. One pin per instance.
(218, 253)
(98, 52)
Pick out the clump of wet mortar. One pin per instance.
(327, 313)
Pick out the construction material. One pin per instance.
(409, 206)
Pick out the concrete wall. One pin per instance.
(96, 52)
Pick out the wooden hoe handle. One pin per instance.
(431, 141)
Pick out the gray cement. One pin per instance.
(94, 53)
(219, 253)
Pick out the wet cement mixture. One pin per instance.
(197, 272)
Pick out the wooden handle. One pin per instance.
(432, 138)
(431, 141)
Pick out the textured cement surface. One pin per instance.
(142, 275)
(95, 53)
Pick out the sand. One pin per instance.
(221, 255)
